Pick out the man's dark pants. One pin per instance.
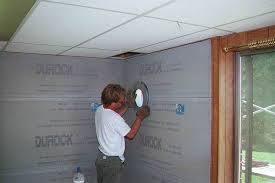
(108, 168)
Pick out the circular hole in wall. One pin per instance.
(141, 94)
(139, 98)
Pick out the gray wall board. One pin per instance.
(179, 72)
(174, 142)
(47, 126)
(47, 116)
(33, 75)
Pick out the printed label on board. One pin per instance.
(180, 109)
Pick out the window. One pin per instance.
(255, 127)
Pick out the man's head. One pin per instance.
(113, 94)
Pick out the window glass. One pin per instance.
(256, 120)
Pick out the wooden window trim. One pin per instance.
(223, 101)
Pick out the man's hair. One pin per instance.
(111, 93)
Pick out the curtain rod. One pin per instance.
(267, 43)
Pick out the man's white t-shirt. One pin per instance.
(111, 129)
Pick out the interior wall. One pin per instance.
(47, 118)
(47, 108)
(174, 143)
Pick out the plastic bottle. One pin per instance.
(78, 176)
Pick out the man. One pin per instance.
(111, 130)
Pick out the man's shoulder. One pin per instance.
(112, 114)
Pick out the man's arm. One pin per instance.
(141, 114)
(134, 129)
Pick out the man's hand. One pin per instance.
(143, 112)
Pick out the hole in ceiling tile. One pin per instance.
(126, 55)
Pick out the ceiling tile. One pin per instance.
(2, 44)
(183, 40)
(32, 48)
(89, 52)
(66, 25)
(251, 23)
(216, 12)
(139, 33)
(136, 7)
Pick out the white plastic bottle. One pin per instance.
(78, 176)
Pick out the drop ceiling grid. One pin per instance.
(89, 52)
(30, 31)
(66, 25)
(34, 48)
(164, 29)
(120, 25)
(198, 36)
(251, 23)
(141, 32)
(215, 13)
(124, 6)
